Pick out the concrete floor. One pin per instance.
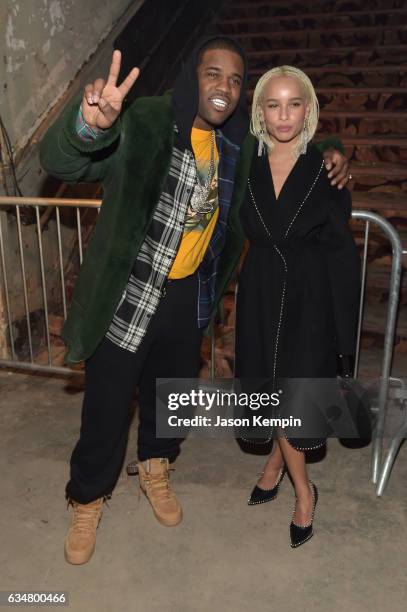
(225, 556)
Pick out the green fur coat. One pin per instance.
(131, 161)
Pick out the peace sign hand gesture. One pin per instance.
(102, 101)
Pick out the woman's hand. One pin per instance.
(338, 167)
(102, 101)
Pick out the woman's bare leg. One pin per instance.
(272, 469)
(296, 465)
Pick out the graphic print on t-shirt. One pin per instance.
(198, 227)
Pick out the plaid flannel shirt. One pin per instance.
(143, 291)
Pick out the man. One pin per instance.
(153, 270)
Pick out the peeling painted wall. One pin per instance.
(43, 44)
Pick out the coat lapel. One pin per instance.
(148, 140)
(298, 184)
(279, 214)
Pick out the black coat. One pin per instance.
(298, 293)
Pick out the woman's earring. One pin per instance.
(303, 139)
(260, 148)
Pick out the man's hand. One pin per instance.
(102, 101)
(338, 167)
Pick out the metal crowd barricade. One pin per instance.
(17, 203)
(379, 475)
(390, 330)
(398, 438)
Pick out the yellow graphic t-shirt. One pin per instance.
(198, 228)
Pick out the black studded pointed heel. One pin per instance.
(261, 496)
(299, 534)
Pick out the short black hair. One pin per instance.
(221, 42)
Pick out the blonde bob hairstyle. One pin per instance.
(257, 124)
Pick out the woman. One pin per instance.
(299, 285)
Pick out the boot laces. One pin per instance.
(85, 517)
(160, 484)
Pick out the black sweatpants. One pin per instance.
(170, 349)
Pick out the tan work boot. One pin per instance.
(81, 537)
(154, 482)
